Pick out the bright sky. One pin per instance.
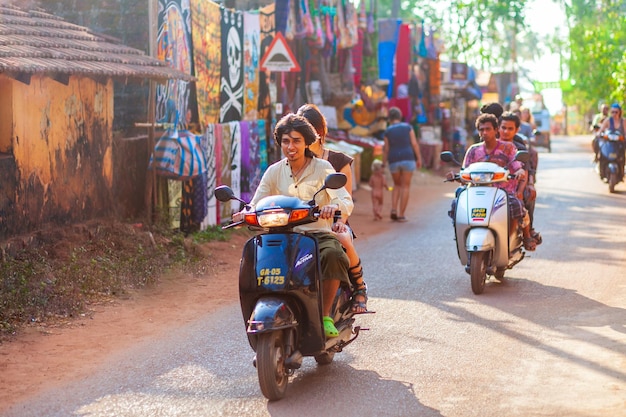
(544, 16)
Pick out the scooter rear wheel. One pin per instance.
(478, 271)
(270, 364)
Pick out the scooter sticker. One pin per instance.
(479, 214)
(270, 276)
(500, 202)
(304, 259)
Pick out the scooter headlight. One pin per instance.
(273, 218)
(481, 177)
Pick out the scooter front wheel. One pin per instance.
(612, 181)
(478, 271)
(270, 364)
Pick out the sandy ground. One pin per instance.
(41, 357)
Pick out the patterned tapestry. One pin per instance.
(207, 53)
(266, 22)
(173, 47)
(210, 141)
(251, 61)
(235, 161)
(263, 156)
(231, 76)
(247, 157)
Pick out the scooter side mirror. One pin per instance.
(335, 181)
(448, 156)
(522, 156)
(224, 193)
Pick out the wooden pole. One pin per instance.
(151, 180)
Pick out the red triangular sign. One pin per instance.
(278, 57)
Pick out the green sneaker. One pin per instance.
(329, 327)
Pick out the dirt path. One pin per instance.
(42, 357)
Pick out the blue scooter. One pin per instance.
(280, 289)
(611, 158)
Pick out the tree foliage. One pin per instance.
(597, 43)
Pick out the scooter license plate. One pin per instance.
(270, 277)
(613, 156)
(479, 213)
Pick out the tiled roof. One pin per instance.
(36, 42)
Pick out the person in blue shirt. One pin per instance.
(402, 154)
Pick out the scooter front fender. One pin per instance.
(613, 168)
(269, 314)
(480, 239)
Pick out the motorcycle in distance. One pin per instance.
(280, 289)
(486, 243)
(610, 164)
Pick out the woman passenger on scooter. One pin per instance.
(300, 174)
(341, 163)
(614, 121)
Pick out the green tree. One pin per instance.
(597, 43)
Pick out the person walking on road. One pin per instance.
(402, 154)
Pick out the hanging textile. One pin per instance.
(282, 14)
(251, 61)
(174, 48)
(231, 76)
(207, 52)
(387, 42)
(263, 148)
(369, 72)
(245, 161)
(266, 21)
(211, 142)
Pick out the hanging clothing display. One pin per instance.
(231, 76)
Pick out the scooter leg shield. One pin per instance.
(480, 239)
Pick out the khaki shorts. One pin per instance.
(333, 258)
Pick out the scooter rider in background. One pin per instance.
(509, 127)
(598, 126)
(300, 174)
(599, 117)
(502, 153)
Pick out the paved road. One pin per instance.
(550, 340)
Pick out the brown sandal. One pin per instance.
(355, 274)
(530, 244)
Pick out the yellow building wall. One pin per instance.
(62, 145)
(6, 114)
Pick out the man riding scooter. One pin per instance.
(301, 174)
(502, 153)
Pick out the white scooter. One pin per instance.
(486, 242)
